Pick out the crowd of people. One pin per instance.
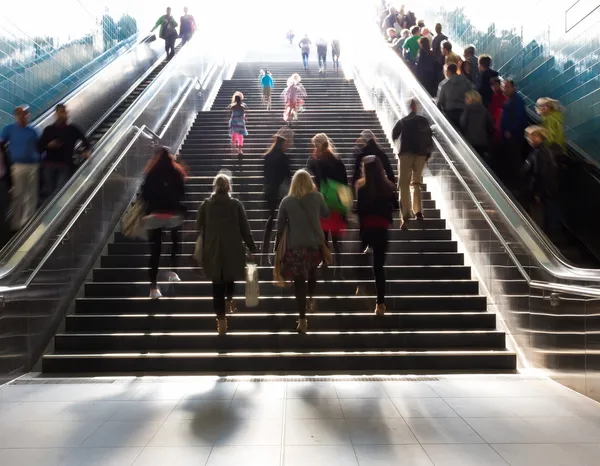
(313, 208)
(322, 46)
(489, 112)
(33, 166)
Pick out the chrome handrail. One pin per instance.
(550, 260)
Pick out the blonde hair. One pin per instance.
(473, 97)
(302, 184)
(537, 131)
(323, 145)
(237, 94)
(551, 104)
(221, 184)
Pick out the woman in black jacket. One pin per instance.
(325, 165)
(375, 205)
(163, 191)
(367, 145)
(426, 67)
(277, 176)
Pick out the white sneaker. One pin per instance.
(155, 293)
(173, 277)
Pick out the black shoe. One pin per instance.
(419, 216)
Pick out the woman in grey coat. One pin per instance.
(226, 233)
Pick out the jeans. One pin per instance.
(377, 239)
(305, 59)
(301, 291)
(323, 60)
(221, 291)
(170, 46)
(411, 167)
(55, 176)
(155, 239)
(336, 60)
(25, 178)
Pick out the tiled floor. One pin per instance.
(444, 421)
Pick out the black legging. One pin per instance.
(301, 291)
(377, 239)
(155, 239)
(337, 249)
(269, 229)
(170, 46)
(221, 291)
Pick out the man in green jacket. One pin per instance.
(168, 32)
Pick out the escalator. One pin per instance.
(103, 127)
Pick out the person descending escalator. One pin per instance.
(375, 203)
(486, 76)
(513, 123)
(237, 123)
(553, 120)
(167, 32)
(277, 175)
(451, 94)
(330, 175)
(187, 26)
(163, 191)
(58, 141)
(477, 126)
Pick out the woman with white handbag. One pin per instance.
(225, 231)
(163, 192)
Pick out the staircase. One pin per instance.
(436, 319)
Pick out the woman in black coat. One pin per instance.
(163, 191)
(426, 67)
(367, 145)
(277, 176)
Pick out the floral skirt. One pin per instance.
(300, 262)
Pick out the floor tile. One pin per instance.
(423, 407)
(388, 455)
(409, 390)
(35, 411)
(443, 430)
(259, 432)
(176, 456)
(85, 393)
(123, 434)
(46, 434)
(480, 407)
(383, 431)
(162, 391)
(197, 432)
(34, 456)
(264, 390)
(210, 410)
(586, 454)
(317, 408)
(506, 430)
(244, 455)
(102, 456)
(539, 407)
(257, 409)
(533, 455)
(320, 456)
(211, 391)
(316, 432)
(566, 430)
(311, 390)
(360, 390)
(464, 455)
(363, 408)
(152, 411)
(10, 393)
(6, 406)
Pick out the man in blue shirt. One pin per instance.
(513, 124)
(20, 142)
(267, 83)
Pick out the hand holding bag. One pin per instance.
(252, 286)
(280, 251)
(132, 223)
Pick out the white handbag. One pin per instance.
(252, 286)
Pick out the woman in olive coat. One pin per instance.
(226, 233)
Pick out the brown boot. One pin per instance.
(302, 326)
(222, 326)
(231, 307)
(380, 310)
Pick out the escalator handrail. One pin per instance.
(14, 257)
(529, 233)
